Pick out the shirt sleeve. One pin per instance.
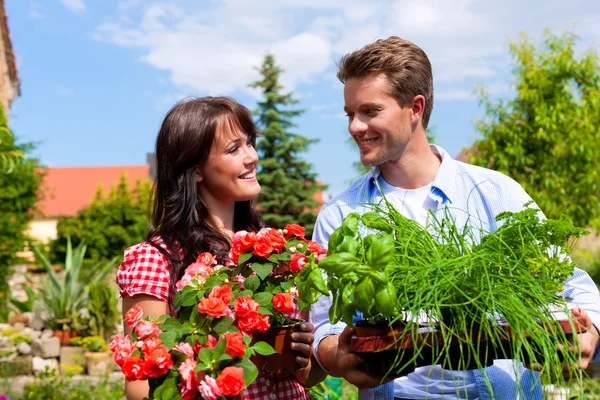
(327, 221)
(144, 270)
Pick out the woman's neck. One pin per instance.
(221, 216)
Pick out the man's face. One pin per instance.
(380, 127)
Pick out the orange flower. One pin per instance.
(213, 307)
(243, 305)
(206, 259)
(221, 292)
(231, 381)
(294, 230)
(283, 302)
(235, 346)
(158, 362)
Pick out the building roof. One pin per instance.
(66, 190)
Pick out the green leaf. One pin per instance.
(264, 310)
(223, 324)
(186, 297)
(263, 348)
(335, 240)
(170, 338)
(373, 220)
(350, 225)
(243, 258)
(252, 283)
(364, 295)
(262, 270)
(206, 355)
(246, 293)
(339, 264)
(219, 350)
(381, 251)
(263, 298)
(250, 370)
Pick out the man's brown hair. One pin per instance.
(405, 65)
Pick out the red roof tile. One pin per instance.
(69, 189)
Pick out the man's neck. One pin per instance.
(416, 168)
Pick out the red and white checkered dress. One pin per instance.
(145, 270)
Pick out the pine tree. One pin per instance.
(288, 184)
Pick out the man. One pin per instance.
(388, 95)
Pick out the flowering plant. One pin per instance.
(205, 352)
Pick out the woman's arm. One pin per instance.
(310, 373)
(151, 306)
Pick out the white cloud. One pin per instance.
(213, 47)
(36, 10)
(76, 6)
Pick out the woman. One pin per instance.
(205, 185)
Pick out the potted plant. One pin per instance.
(72, 355)
(65, 296)
(438, 293)
(98, 359)
(268, 262)
(226, 315)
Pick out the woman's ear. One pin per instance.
(198, 175)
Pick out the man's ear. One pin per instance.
(418, 107)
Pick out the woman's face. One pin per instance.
(229, 174)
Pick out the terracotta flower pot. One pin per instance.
(387, 350)
(98, 363)
(280, 339)
(65, 336)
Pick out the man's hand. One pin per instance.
(587, 341)
(342, 362)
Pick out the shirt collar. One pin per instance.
(442, 188)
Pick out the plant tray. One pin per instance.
(388, 350)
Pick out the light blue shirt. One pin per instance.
(473, 195)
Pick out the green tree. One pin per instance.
(547, 136)
(108, 225)
(20, 180)
(288, 183)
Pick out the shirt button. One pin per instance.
(272, 395)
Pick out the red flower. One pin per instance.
(158, 362)
(122, 349)
(283, 302)
(221, 292)
(213, 307)
(210, 343)
(235, 346)
(264, 323)
(294, 230)
(146, 329)
(206, 259)
(276, 238)
(297, 261)
(134, 315)
(254, 321)
(189, 380)
(263, 247)
(241, 242)
(313, 247)
(134, 369)
(231, 381)
(151, 344)
(243, 305)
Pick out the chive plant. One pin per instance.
(485, 299)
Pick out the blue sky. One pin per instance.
(98, 76)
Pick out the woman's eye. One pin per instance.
(233, 150)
